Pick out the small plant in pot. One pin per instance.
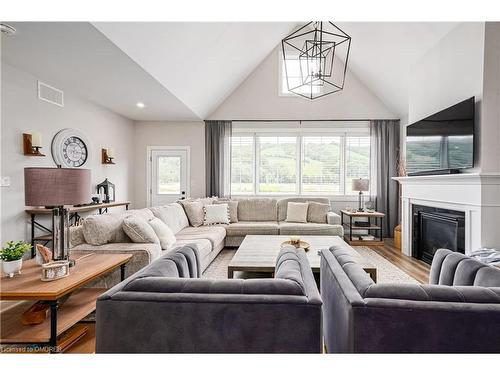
(12, 256)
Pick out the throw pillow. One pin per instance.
(296, 212)
(139, 230)
(316, 212)
(194, 212)
(163, 232)
(233, 209)
(216, 214)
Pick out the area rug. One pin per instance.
(386, 271)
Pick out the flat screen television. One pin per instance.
(442, 143)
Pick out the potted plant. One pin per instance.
(11, 255)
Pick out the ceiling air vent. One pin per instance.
(50, 94)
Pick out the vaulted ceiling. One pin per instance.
(184, 71)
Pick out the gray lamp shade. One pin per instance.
(56, 186)
(360, 184)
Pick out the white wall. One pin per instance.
(448, 73)
(169, 134)
(257, 98)
(490, 109)
(23, 112)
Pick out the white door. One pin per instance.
(169, 175)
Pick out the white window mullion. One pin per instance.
(257, 163)
(298, 172)
(342, 164)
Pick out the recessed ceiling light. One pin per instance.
(140, 105)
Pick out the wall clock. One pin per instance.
(70, 148)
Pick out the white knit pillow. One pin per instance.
(296, 212)
(164, 233)
(216, 214)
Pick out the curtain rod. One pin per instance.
(336, 120)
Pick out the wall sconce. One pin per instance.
(32, 143)
(108, 154)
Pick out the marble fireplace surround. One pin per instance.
(476, 194)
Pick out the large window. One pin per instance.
(298, 163)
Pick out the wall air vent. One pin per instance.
(50, 94)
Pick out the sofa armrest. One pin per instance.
(142, 255)
(333, 218)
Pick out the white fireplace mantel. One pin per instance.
(476, 194)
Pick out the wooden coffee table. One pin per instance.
(29, 288)
(258, 254)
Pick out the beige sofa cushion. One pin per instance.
(244, 228)
(103, 229)
(76, 236)
(257, 209)
(233, 209)
(163, 232)
(283, 204)
(317, 212)
(309, 229)
(173, 215)
(194, 212)
(214, 233)
(138, 230)
(296, 212)
(204, 246)
(216, 214)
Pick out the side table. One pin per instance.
(370, 226)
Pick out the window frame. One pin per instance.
(300, 133)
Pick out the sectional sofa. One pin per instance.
(167, 308)
(258, 216)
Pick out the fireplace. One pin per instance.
(435, 228)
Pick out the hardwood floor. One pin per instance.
(413, 267)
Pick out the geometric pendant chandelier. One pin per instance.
(315, 59)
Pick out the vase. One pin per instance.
(12, 267)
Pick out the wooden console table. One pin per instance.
(29, 288)
(370, 226)
(74, 212)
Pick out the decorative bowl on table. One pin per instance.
(298, 244)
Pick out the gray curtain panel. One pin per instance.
(385, 147)
(217, 156)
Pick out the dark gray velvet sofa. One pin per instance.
(457, 312)
(167, 308)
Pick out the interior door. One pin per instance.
(169, 175)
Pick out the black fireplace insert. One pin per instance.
(435, 228)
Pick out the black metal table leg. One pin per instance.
(53, 326)
(381, 229)
(122, 272)
(350, 228)
(33, 236)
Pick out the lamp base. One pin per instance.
(60, 233)
(360, 202)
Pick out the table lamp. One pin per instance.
(54, 188)
(360, 184)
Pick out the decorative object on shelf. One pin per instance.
(43, 254)
(32, 143)
(107, 156)
(369, 206)
(55, 270)
(70, 148)
(12, 256)
(36, 314)
(315, 59)
(107, 189)
(360, 184)
(56, 187)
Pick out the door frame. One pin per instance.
(149, 150)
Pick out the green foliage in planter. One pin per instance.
(14, 250)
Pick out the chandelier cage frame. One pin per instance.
(322, 55)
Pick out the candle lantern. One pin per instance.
(108, 190)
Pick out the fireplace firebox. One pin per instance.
(435, 228)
